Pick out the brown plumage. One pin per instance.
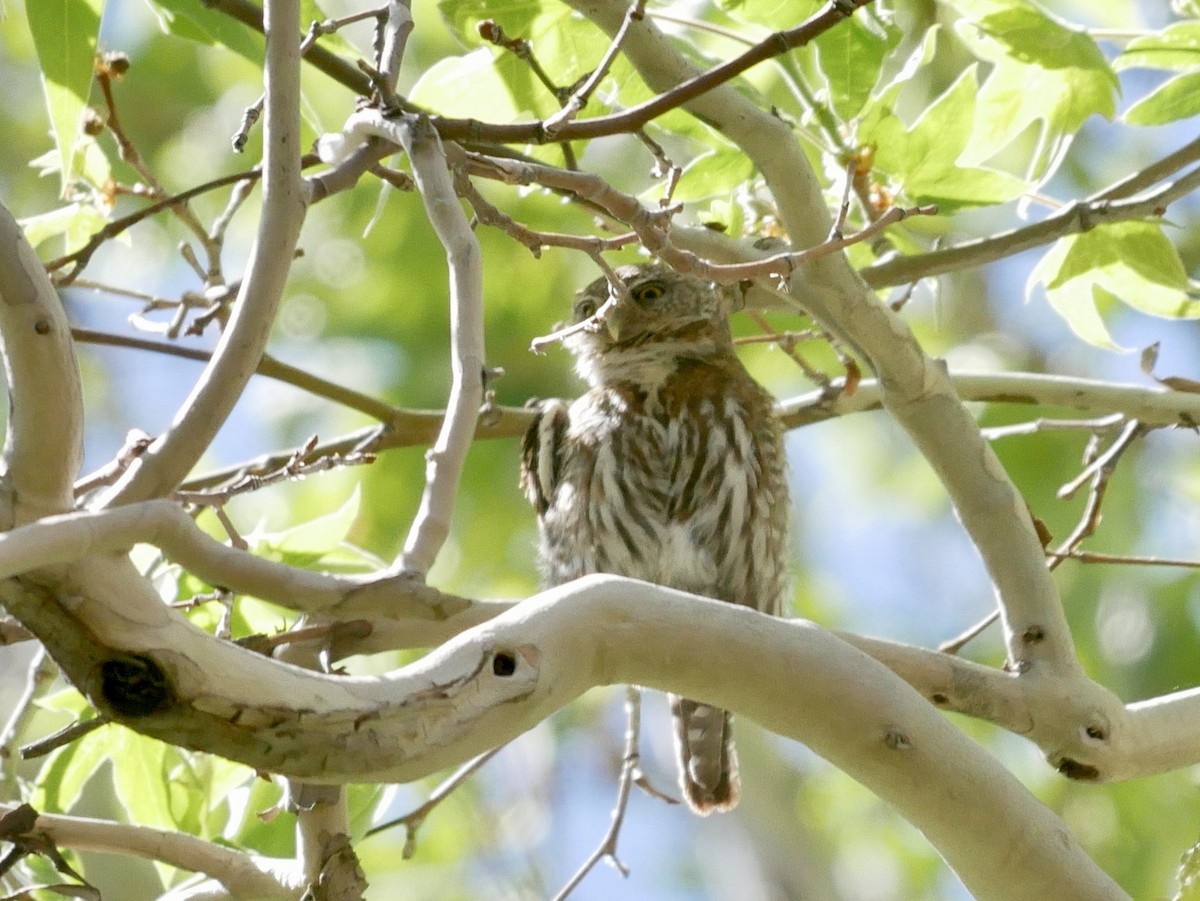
(670, 469)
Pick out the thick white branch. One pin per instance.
(916, 389)
(43, 448)
(1152, 404)
(446, 458)
(244, 875)
(169, 459)
(1081, 727)
(1163, 735)
(429, 616)
(436, 184)
(497, 680)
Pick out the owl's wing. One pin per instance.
(542, 453)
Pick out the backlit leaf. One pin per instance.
(64, 37)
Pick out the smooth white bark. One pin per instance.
(495, 681)
(43, 447)
(445, 460)
(241, 875)
(169, 459)
(916, 389)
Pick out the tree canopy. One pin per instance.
(278, 417)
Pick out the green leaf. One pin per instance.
(1073, 300)
(850, 56)
(68, 770)
(1132, 262)
(713, 174)
(1044, 72)
(315, 537)
(920, 59)
(142, 783)
(776, 14)
(1176, 99)
(462, 17)
(565, 45)
(76, 222)
(140, 767)
(1020, 30)
(91, 164)
(196, 22)
(924, 159)
(311, 11)
(725, 215)
(482, 85)
(64, 38)
(1176, 47)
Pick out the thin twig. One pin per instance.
(789, 348)
(268, 366)
(844, 210)
(664, 167)
(239, 195)
(80, 258)
(413, 820)
(618, 291)
(578, 100)
(607, 849)
(326, 61)
(1036, 426)
(136, 442)
(488, 214)
(167, 462)
(635, 117)
(1128, 559)
(785, 339)
(301, 464)
(1104, 464)
(39, 675)
(64, 736)
(653, 236)
(315, 30)
(114, 65)
(1100, 470)
(522, 49)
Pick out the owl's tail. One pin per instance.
(708, 771)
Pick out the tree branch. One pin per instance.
(242, 874)
(497, 680)
(267, 366)
(318, 57)
(445, 459)
(679, 93)
(1150, 404)
(167, 461)
(430, 616)
(916, 389)
(1107, 206)
(43, 448)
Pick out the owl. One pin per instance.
(669, 469)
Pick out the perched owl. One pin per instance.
(669, 469)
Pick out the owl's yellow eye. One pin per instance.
(647, 292)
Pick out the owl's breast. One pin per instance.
(620, 506)
(682, 484)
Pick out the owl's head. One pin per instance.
(665, 316)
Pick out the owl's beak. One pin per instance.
(614, 322)
(613, 326)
